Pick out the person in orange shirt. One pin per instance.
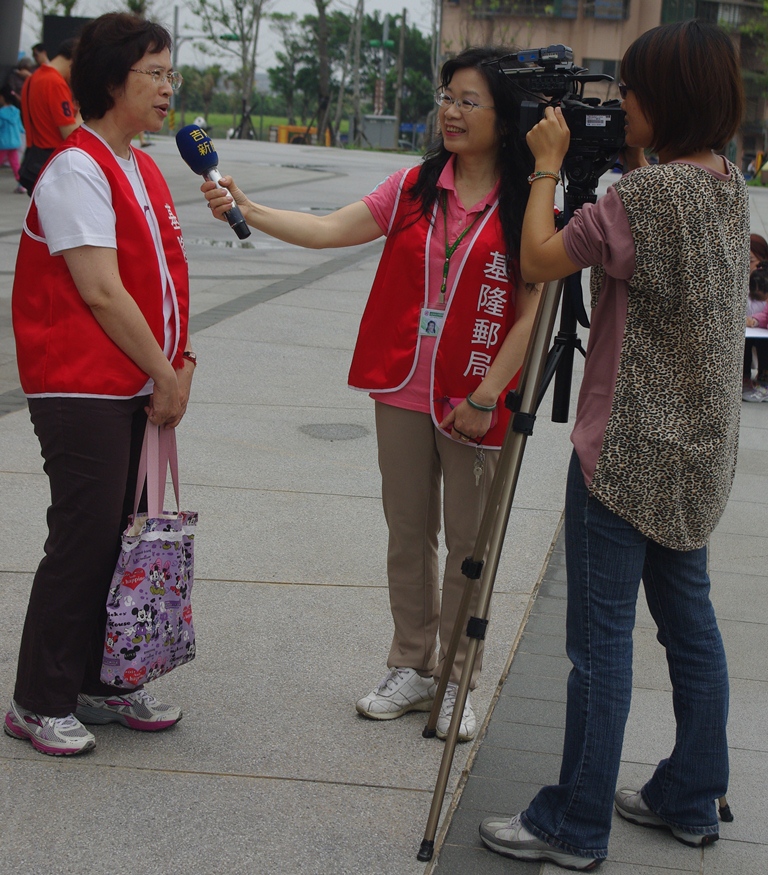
(48, 112)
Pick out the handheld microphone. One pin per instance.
(196, 148)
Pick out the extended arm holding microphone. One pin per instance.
(196, 148)
(348, 226)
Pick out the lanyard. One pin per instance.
(450, 249)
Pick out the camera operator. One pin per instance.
(655, 441)
(453, 236)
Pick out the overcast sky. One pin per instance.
(419, 14)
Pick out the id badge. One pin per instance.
(431, 322)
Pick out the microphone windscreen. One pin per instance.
(196, 148)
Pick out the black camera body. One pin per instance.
(597, 129)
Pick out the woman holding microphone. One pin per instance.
(442, 338)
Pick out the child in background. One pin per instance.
(757, 302)
(757, 317)
(11, 130)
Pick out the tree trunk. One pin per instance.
(324, 76)
(399, 86)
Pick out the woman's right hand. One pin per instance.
(165, 406)
(220, 196)
(549, 139)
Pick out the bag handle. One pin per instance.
(158, 451)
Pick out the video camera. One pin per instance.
(597, 129)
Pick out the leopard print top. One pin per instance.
(669, 451)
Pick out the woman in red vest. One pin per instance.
(441, 341)
(100, 310)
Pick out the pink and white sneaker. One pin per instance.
(55, 736)
(136, 710)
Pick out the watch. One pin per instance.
(188, 354)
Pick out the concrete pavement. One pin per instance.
(271, 771)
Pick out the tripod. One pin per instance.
(490, 537)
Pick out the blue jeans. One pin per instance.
(606, 558)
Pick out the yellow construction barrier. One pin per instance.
(298, 134)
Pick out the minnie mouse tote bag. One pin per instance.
(149, 611)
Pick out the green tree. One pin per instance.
(293, 57)
(200, 87)
(297, 74)
(142, 8)
(232, 28)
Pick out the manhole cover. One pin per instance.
(334, 431)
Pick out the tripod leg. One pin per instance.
(490, 535)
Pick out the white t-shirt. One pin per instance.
(74, 203)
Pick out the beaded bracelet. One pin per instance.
(543, 174)
(477, 406)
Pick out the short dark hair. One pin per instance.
(758, 245)
(109, 46)
(67, 48)
(687, 80)
(39, 47)
(758, 279)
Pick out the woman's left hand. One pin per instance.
(549, 139)
(467, 424)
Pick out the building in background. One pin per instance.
(599, 32)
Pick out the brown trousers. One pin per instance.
(415, 459)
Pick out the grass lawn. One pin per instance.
(219, 123)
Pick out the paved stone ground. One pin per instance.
(271, 771)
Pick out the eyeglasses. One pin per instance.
(445, 100)
(623, 89)
(160, 77)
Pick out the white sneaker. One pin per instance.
(401, 691)
(631, 806)
(754, 391)
(56, 736)
(136, 710)
(508, 836)
(468, 726)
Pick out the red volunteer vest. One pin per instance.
(480, 311)
(60, 347)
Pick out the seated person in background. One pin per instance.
(757, 317)
(757, 309)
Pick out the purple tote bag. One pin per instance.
(149, 612)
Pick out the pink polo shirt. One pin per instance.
(415, 395)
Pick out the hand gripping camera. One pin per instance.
(597, 129)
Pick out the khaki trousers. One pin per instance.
(415, 460)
